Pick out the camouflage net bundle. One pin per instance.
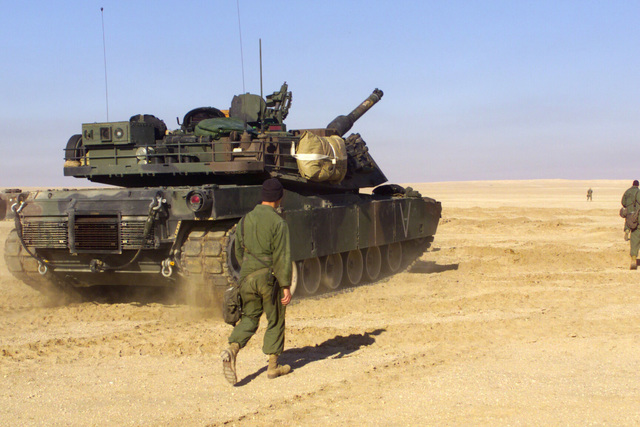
(321, 158)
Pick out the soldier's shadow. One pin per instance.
(335, 348)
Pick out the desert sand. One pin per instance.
(524, 312)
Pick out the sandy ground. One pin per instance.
(523, 313)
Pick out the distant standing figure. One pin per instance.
(631, 201)
(589, 195)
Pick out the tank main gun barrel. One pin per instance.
(342, 124)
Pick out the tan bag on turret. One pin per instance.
(321, 158)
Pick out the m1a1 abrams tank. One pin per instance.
(171, 222)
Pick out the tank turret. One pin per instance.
(243, 145)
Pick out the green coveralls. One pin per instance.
(631, 201)
(266, 235)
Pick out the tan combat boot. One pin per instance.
(274, 370)
(229, 362)
(634, 263)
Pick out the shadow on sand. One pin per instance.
(337, 347)
(428, 267)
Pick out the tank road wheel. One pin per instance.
(233, 266)
(332, 271)
(354, 267)
(310, 275)
(372, 263)
(393, 257)
(294, 278)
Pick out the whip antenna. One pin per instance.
(260, 68)
(104, 50)
(241, 54)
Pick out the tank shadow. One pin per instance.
(334, 348)
(428, 267)
(138, 295)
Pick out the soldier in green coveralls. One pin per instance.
(631, 201)
(264, 253)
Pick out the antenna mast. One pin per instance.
(260, 68)
(104, 49)
(241, 53)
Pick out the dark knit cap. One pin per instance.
(636, 183)
(272, 190)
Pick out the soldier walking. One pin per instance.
(589, 195)
(263, 250)
(631, 202)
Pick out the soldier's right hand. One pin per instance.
(286, 299)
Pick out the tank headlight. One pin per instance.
(119, 133)
(199, 201)
(143, 153)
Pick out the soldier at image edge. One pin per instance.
(264, 253)
(589, 195)
(631, 201)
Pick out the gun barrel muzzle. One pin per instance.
(366, 105)
(342, 124)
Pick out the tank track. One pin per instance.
(25, 268)
(203, 266)
(420, 247)
(203, 263)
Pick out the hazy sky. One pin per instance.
(474, 90)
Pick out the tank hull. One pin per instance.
(154, 236)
